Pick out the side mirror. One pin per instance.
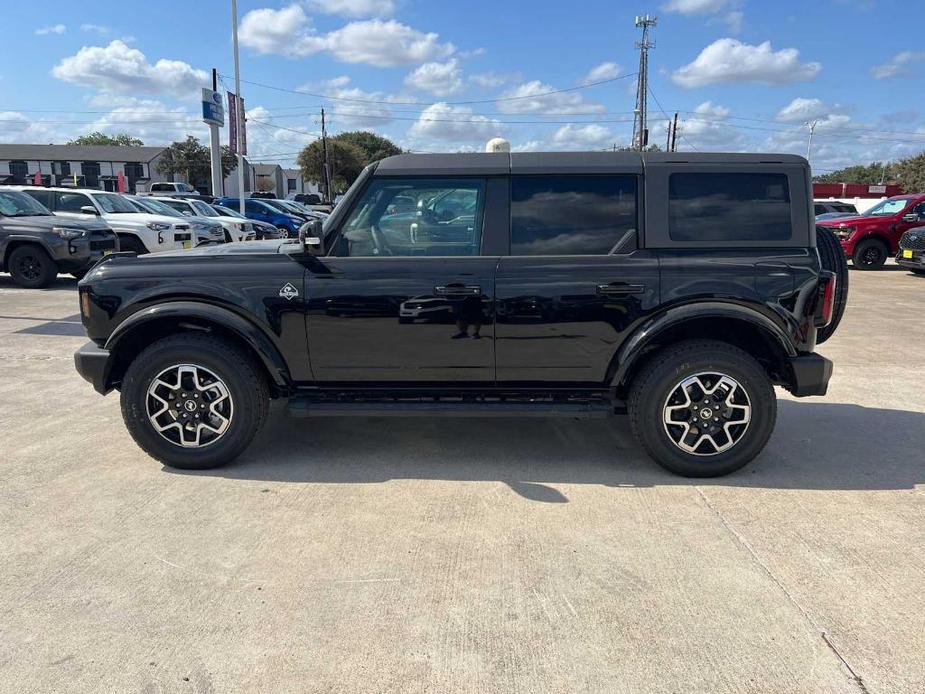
(910, 217)
(89, 209)
(311, 237)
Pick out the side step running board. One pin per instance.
(299, 407)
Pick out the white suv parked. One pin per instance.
(137, 231)
(236, 229)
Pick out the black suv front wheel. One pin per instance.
(702, 408)
(31, 267)
(193, 401)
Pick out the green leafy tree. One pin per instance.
(870, 174)
(910, 173)
(191, 159)
(98, 138)
(349, 153)
(375, 147)
(347, 161)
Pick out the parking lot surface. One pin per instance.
(470, 555)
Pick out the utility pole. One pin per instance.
(674, 134)
(237, 91)
(640, 126)
(324, 161)
(809, 144)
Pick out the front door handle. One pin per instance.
(620, 289)
(458, 290)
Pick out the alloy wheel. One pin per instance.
(707, 413)
(189, 406)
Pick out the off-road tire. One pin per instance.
(870, 254)
(659, 377)
(31, 267)
(246, 384)
(130, 243)
(832, 257)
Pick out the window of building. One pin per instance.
(729, 207)
(19, 171)
(290, 184)
(572, 214)
(435, 217)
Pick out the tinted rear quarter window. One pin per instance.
(571, 214)
(71, 202)
(729, 207)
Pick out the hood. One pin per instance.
(141, 219)
(236, 248)
(47, 222)
(852, 221)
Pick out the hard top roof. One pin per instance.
(499, 163)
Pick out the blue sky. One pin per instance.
(745, 75)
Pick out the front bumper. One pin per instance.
(916, 262)
(93, 365)
(811, 374)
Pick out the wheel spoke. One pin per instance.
(189, 405)
(706, 413)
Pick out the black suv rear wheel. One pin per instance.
(702, 408)
(31, 267)
(193, 401)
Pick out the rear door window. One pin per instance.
(71, 202)
(729, 207)
(573, 215)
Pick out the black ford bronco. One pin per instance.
(679, 289)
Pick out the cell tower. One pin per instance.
(640, 127)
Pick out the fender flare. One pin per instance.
(250, 333)
(634, 346)
(21, 240)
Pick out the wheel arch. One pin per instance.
(15, 242)
(140, 329)
(742, 327)
(881, 236)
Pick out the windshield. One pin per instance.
(114, 204)
(156, 207)
(202, 209)
(16, 204)
(228, 212)
(887, 208)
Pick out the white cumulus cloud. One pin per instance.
(443, 123)
(730, 60)
(120, 69)
(536, 97)
(583, 137)
(898, 66)
(802, 109)
(604, 71)
(440, 79)
(289, 31)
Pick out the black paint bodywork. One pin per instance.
(558, 324)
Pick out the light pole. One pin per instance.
(237, 91)
(809, 145)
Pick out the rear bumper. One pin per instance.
(811, 374)
(93, 365)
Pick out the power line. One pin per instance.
(331, 97)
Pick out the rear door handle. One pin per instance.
(458, 290)
(620, 289)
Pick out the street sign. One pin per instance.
(213, 113)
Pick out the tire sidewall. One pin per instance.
(862, 248)
(245, 415)
(667, 375)
(49, 270)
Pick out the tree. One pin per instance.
(347, 161)
(911, 173)
(870, 174)
(98, 138)
(349, 153)
(375, 147)
(191, 159)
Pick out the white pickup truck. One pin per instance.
(137, 231)
(171, 189)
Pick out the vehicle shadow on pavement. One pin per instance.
(816, 445)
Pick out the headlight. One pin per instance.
(242, 226)
(66, 233)
(157, 226)
(843, 232)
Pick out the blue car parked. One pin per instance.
(262, 212)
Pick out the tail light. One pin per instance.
(825, 305)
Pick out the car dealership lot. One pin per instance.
(473, 555)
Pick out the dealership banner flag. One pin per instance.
(235, 111)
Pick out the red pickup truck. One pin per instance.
(869, 239)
